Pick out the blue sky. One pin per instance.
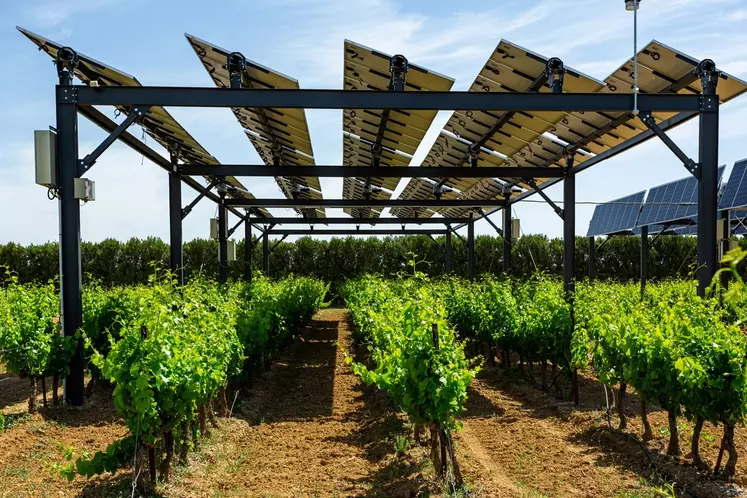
(304, 39)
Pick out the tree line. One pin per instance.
(112, 262)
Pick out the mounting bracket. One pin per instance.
(87, 162)
(542, 194)
(690, 165)
(188, 208)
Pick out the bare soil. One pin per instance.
(310, 428)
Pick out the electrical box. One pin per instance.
(214, 228)
(84, 189)
(720, 230)
(231, 250)
(45, 155)
(515, 228)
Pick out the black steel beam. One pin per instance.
(353, 231)
(343, 99)
(175, 226)
(266, 253)
(569, 236)
(644, 257)
(87, 162)
(471, 248)
(357, 221)
(689, 164)
(223, 244)
(277, 243)
(343, 203)
(508, 235)
(248, 246)
(449, 253)
(262, 170)
(451, 229)
(592, 258)
(189, 207)
(70, 264)
(552, 204)
(492, 224)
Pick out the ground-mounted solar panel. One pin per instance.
(672, 203)
(157, 122)
(397, 133)
(280, 136)
(735, 191)
(616, 217)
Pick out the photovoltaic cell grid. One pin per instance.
(735, 192)
(157, 122)
(615, 217)
(280, 136)
(672, 202)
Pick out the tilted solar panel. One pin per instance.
(616, 217)
(157, 122)
(671, 203)
(280, 136)
(735, 192)
(384, 138)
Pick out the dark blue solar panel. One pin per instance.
(735, 192)
(672, 202)
(616, 216)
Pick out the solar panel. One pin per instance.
(157, 122)
(280, 136)
(401, 131)
(671, 203)
(421, 189)
(615, 217)
(735, 192)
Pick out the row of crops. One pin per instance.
(169, 352)
(682, 353)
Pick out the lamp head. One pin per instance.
(631, 5)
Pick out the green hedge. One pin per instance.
(123, 263)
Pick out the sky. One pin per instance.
(304, 39)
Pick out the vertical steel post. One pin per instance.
(508, 234)
(708, 181)
(569, 231)
(644, 258)
(471, 248)
(266, 253)
(71, 295)
(592, 257)
(248, 246)
(175, 221)
(448, 251)
(223, 239)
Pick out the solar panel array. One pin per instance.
(616, 217)
(735, 192)
(280, 136)
(157, 122)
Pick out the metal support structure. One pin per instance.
(398, 70)
(542, 194)
(644, 258)
(357, 231)
(569, 231)
(266, 253)
(708, 181)
(343, 220)
(490, 222)
(471, 248)
(189, 207)
(70, 266)
(87, 162)
(352, 203)
(335, 171)
(248, 249)
(175, 223)
(507, 239)
(449, 253)
(648, 119)
(222, 240)
(277, 242)
(451, 229)
(592, 258)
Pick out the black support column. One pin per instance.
(644, 258)
(248, 247)
(71, 297)
(223, 240)
(508, 234)
(175, 223)
(266, 253)
(471, 248)
(569, 232)
(448, 252)
(708, 184)
(592, 258)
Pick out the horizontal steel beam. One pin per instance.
(362, 231)
(342, 99)
(370, 171)
(357, 221)
(351, 203)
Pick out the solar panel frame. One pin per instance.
(617, 216)
(735, 191)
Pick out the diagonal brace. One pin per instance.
(486, 217)
(188, 209)
(450, 229)
(285, 236)
(542, 194)
(690, 165)
(87, 162)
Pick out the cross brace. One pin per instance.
(87, 162)
(690, 165)
(542, 194)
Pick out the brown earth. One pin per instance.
(310, 428)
